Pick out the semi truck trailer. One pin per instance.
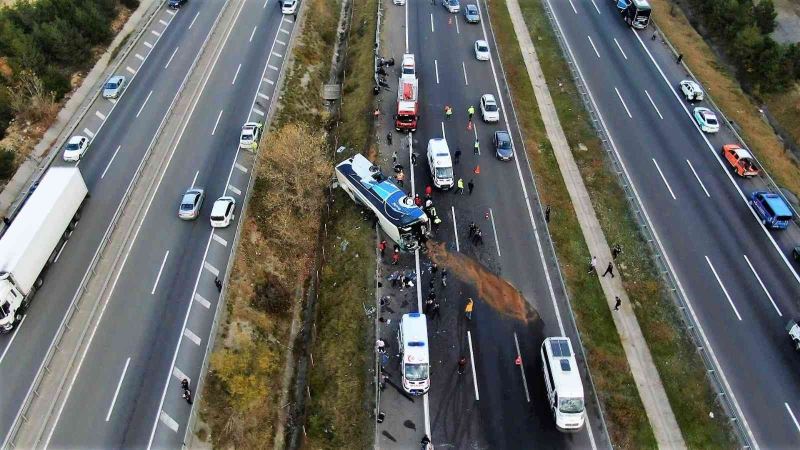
(35, 237)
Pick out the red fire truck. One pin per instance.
(407, 105)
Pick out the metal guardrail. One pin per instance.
(722, 394)
(74, 306)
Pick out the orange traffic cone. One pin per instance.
(477, 170)
(469, 125)
(518, 361)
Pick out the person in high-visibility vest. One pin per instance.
(460, 186)
(468, 308)
(471, 111)
(477, 147)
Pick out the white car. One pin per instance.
(75, 148)
(706, 119)
(691, 90)
(251, 134)
(481, 50)
(222, 212)
(399, 2)
(489, 110)
(114, 86)
(289, 6)
(452, 6)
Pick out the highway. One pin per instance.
(736, 275)
(494, 405)
(154, 325)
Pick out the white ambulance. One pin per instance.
(412, 338)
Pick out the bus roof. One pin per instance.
(566, 377)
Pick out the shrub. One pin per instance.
(7, 165)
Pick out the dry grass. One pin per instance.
(728, 95)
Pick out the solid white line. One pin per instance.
(252, 34)
(194, 180)
(163, 22)
(172, 56)
(240, 167)
(219, 240)
(494, 229)
(214, 130)
(140, 57)
(431, 22)
(794, 419)
(234, 189)
(88, 132)
(156, 33)
(593, 47)
(11, 341)
(463, 66)
(110, 161)
(130, 69)
(620, 48)
(147, 44)
(100, 115)
(436, 70)
(206, 265)
(653, 103)
(195, 18)
(455, 226)
(664, 179)
(573, 7)
(199, 299)
(259, 112)
(145, 102)
(769, 296)
(722, 286)
(236, 74)
(472, 363)
(595, 7)
(522, 368)
(168, 421)
(119, 385)
(698, 179)
(192, 337)
(623, 103)
(158, 277)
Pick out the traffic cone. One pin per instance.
(477, 170)
(518, 361)
(469, 125)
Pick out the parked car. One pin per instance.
(706, 119)
(222, 212)
(191, 201)
(471, 14)
(75, 148)
(452, 6)
(289, 6)
(741, 160)
(771, 209)
(489, 110)
(691, 90)
(114, 86)
(251, 135)
(175, 4)
(481, 50)
(503, 148)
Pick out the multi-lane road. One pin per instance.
(735, 274)
(155, 324)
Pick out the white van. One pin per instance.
(412, 338)
(563, 383)
(409, 67)
(440, 163)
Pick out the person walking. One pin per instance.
(400, 177)
(394, 158)
(428, 306)
(396, 255)
(457, 156)
(435, 310)
(472, 228)
(477, 238)
(547, 214)
(187, 392)
(444, 277)
(471, 111)
(417, 200)
(382, 247)
(462, 365)
(428, 191)
(460, 186)
(655, 36)
(431, 283)
(593, 265)
(218, 284)
(679, 59)
(389, 138)
(434, 268)
(617, 304)
(470, 186)
(609, 269)
(476, 148)
(413, 158)
(616, 250)
(468, 308)
(425, 442)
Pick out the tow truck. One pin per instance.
(407, 104)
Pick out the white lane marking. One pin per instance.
(140, 57)
(698, 179)
(234, 189)
(206, 265)
(130, 69)
(253, 33)
(494, 229)
(573, 7)
(593, 47)
(168, 421)
(472, 363)
(240, 167)
(156, 33)
(791, 414)
(664, 179)
(163, 22)
(269, 81)
(436, 70)
(654, 104)
(219, 240)
(199, 299)
(11, 341)
(277, 41)
(119, 385)
(522, 368)
(276, 54)
(112, 100)
(110, 161)
(287, 20)
(443, 133)
(158, 277)
(431, 22)
(148, 45)
(58, 255)
(457, 30)
(143, 104)
(195, 18)
(259, 112)
(264, 96)
(620, 48)
(178, 373)
(722, 286)
(273, 67)
(100, 115)
(194, 180)
(405, 18)
(170, 12)
(236, 74)
(214, 130)
(171, 56)
(88, 132)
(192, 337)
(769, 296)
(595, 7)
(283, 31)
(463, 66)
(623, 103)
(265, 3)
(455, 226)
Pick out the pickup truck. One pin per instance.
(741, 161)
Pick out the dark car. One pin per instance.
(471, 14)
(796, 254)
(503, 148)
(175, 4)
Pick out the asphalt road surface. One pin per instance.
(736, 275)
(157, 322)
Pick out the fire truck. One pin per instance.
(407, 104)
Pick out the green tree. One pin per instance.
(764, 16)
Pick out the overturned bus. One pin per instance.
(403, 221)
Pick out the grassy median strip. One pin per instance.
(680, 368)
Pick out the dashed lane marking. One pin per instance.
(241, 167)
(180, 375)
(219, 240)
(277, 54)
(191, 336)
(199, 299)
(168, 421)
(156, 33)
(163, 22)
(130, 69)
(234, 189)
(272, 67)
(214, 271)
(139, 57)
(148, 45)
(264, 96)
(100, 115)
(258, 111)
(278, 41)
(88, 132)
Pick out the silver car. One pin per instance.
(114, 86)
(191, 202)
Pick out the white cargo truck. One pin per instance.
(35, 237)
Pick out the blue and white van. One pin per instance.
(771, 209)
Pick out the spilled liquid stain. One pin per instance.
(493, 290)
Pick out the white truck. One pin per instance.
(35, 237)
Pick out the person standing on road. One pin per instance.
(470, 186)
(448, 112)
(476, 148)
(382, 248)
(477, 238)
(460, 186)
(417, 200)
(457, 156)
(471, 111)
(609, 269)
(617, 304)
(413, 158)
(434, 268)
(394, 158)
(462, 365)
(396, 255)
(435, 310)
(389, 138)
(468, 308)
(679, 59)
(428, 191)
(400, 177)
(444, 277)
(593, 265)
(472, 228)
